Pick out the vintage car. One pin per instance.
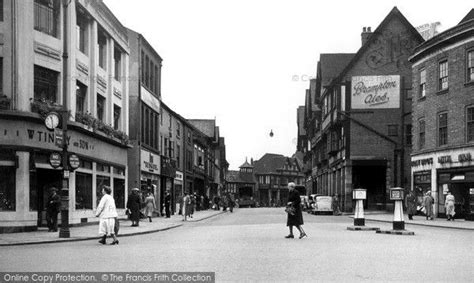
(322, 204)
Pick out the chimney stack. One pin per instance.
(366, 33)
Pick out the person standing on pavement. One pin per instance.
(449, 205)
(52, 210)
(150, 205)
(428, 205)
(133, 205)
(335, 205)
(107, 212)
(187, 206)
(295, 219)
(411, 204)
(167, 204)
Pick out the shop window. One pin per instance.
(422, 88)
(117, 64)
(7, 188)
(46, 16)
(86, 164)
(45, 84)
(117, 112)
(421, 133)
(119, 171)
(83, 191)
(393, 130)
(102, 46)
(81, 32)
(81, 93)
(103, 168)
(470, 66)
(442, 129)
(443, 75)
(470, 124)
(100, 107)
(119, 193)
(100, 182)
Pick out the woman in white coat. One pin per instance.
(107, 213)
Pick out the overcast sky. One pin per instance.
(237, 60)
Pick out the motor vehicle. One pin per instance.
(305, 203)
(322, 205)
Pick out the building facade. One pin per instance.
(35, 81)
(144, 159)
(242, 184)
(363, 136)
(443, 115)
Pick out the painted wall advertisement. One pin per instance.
(375, 92)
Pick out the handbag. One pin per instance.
(290, 210)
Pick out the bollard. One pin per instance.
(398, 224)
(359, 220)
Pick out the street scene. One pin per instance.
(236, 141)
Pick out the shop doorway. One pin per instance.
(460, 191)
(44, 180)
(373, 179)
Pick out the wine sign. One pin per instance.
(375, 92)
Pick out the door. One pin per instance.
(45, 180)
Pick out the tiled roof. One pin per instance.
(234, 176)
(270, 163)
(468, 17)
(332, 64)
(246, 165)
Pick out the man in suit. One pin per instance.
(52, 210)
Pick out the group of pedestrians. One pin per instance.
(426, 205)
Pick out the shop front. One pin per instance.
(443, 172)
(150, 170)
(178, 188)
(168, 175)
(27, 174)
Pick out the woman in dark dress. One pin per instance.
(295, 219)
(133, 205)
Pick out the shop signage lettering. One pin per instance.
(444, 159)
(48, 137)
(426, 161)
(371, 92)
(150, 166)
(422, 178)
(464, 157)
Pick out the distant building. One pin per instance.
(443, 118)
(242, 184)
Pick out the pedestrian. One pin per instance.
(449, 205)
(296, 218)
(107, 213)
(411, 204)
(52, 210)
(187, 206)
(230, 202)
(335, 205)
(167, 204)
(192, 205)
(133, 205)
(150, 205)
(428, 205)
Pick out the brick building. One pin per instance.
(443, 117)
(362, 136)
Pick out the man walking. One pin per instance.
(52, 210)
(167, 204)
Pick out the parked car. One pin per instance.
(304, 203)
(322, 204)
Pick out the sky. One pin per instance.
(247, 63)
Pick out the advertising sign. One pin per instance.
(375, 92)
(55, 159)
(150, 162)
(58, 137)
(74, 161)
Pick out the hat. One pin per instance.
(135, 189)
(53, 189)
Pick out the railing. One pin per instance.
(45, 19)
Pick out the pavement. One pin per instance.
(90, 231)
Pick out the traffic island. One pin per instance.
(359, 221)
(396, 232)
(396, 194)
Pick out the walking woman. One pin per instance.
(449, 205)
(149, 205)
(411, 204)
(428, 205)
(186, 206)
(133, 205)
(296, 218)
(107, 213)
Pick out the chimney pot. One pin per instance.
(363, 29)
(369, 29)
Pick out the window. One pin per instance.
(81, 28)
(166, 149)
(421, 129)
(393, 130)
(422, 88)
(1, 75)
(119, 192)
(45, 84)
(178, 129)
(83, 191)
(46, 15)
(470, 123)
(81, 92)
(152, 81)
(470, 66)
(102, 44)
(157, 81)
(100, 107)
(147, 125)
(117, 112)
(178, 155)
(408, 135)
(7, 188)
(442, 129)
(100, 182)
(147, 70)
(117, 64)
(443, 75)
(171, 121)
(1, 10)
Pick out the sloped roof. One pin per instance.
(246, 165)
(270, 163)
(233, 176)
(468, 17)
(332, 64)
(394, 13)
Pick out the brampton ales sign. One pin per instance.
(375, 92)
